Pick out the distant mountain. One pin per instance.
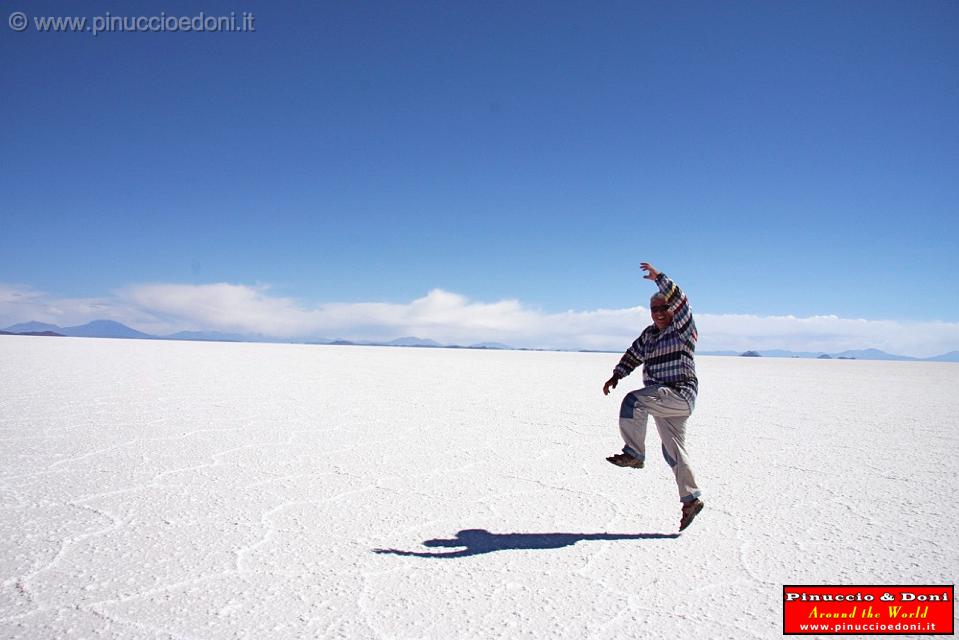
(412, 341)
(95, 329)
(490, 345)
(32, 333)
(860, 354)
(952, 356)
(751, 354)
(30, 327)
(870, 354)
(104, 329)
(782, 353)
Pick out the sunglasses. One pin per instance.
(658, 307)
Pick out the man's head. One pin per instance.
(659, 310)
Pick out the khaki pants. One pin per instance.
(670, 411)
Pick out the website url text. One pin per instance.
(109, 23)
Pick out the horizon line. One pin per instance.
(429, 343)
(450, 318)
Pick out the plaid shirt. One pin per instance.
(667, 355)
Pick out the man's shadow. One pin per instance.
(477, 541)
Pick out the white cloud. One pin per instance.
(826, 333)
(220, 307)
(452, 318)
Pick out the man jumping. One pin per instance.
(665, 349)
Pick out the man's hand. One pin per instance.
(651, 273)
(610, 384)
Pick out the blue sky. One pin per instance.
(777, 159)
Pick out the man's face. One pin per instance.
(660, 313)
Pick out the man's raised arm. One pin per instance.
(675, 298)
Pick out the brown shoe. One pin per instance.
(625, 460)
(690, 511)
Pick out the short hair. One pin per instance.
(658, 296)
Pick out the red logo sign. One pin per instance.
(883, 610)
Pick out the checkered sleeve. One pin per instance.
(631, 359)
